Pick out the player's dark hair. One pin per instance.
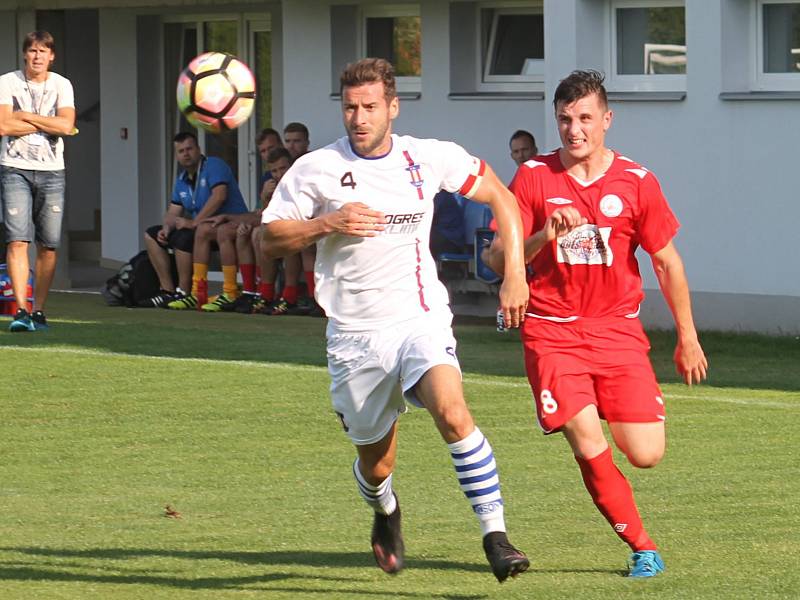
(185, 135)
(522, 133)
(268, 132)
(370, 70)
(278, 153)
(39, 37)
(296, 127)
(580, 84)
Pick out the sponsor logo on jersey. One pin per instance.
(403, 223)
(620, 527)
(451, 351)
(559, 201)
(611, 205)
(486, 508)
(586, 245)
(203, 182)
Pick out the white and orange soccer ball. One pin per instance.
(216, 92)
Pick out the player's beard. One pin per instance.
(365, 147)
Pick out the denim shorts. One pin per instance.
(33, 205)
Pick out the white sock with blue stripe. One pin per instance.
(381, 497)
(477, 475)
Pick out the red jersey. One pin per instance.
(592, 271)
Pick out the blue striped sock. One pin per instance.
(380, 498)
(477, 475)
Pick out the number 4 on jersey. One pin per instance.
(347, 180)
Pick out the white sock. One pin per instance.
(381, 497)
(477, 475)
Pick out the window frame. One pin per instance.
(761, 80)
(641, 82)
(487, 82)
(405, 84)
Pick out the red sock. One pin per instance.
(248, 277)
(613, 496)
(309, 283)
(290, 294)
(267, 291)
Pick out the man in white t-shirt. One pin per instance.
(37, 109)
(367, 202)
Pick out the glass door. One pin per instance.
(247, 38)
(260, 60)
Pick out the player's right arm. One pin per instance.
(11, 125)
(284, 237)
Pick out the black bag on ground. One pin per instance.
(135, 281)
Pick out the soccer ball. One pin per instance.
(216, 92)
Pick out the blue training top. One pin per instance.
(213, 171)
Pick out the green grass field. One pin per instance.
(115, 413)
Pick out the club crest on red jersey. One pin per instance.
(611, 205)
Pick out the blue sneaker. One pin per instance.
(39, 321)
(646, 563)
(22, 321)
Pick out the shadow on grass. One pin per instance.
(736, 360)
(54, 571)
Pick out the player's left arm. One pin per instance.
(63, 123)
(514, 292)
(690, 360)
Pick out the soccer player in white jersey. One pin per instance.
(367, 201)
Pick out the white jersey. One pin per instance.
(366, 283)
(35, 151)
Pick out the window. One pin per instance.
(778, 45)
(648, 45)
(513, 45)
(496, 49)
(395, 33)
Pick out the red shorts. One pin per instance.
(591, 361)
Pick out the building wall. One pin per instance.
(725, 165)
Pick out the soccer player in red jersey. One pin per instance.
(585, 210)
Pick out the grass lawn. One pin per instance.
(115, 413)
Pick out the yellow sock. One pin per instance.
(199, 271)
(229, 286)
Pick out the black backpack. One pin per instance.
(135, 281)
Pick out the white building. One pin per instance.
(706, 94)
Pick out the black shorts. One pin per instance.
(178, 239)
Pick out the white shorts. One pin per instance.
(373, 372)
